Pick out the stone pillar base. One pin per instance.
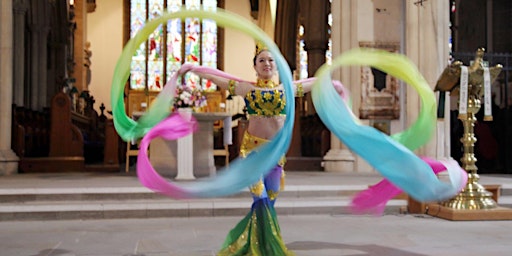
(185, 156)
(163, 157)
(8, 162)
(338, 160)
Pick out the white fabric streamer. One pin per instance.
(228, 133)
(463, 94)
(487, 95)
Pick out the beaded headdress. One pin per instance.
(259, 48)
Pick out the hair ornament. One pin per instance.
(259, 48)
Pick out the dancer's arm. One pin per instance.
(234, 85)
(303, 86)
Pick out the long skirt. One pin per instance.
(258, 233)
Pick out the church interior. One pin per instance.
(58, 57)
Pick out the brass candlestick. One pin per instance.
(473, 196)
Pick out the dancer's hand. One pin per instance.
(339, 87)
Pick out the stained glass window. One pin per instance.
(138, 66)
(328, 53)
(192, 40)
(303, 55)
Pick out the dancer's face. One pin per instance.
(265, 65)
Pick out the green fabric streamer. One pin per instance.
(127, 128)
(420, 132)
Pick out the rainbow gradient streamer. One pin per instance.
(373, 200)
(174, 128)
(391, 156)
(227, 181)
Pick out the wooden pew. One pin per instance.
(30, 132)
(77, 141)
(66, 139)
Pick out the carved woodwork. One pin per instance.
(65, 138)
(73, 142)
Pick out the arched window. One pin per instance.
(171, 44)
(191, 40)
(302, 56)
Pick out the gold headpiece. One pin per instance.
(259, 48)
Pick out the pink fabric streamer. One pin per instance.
(207, 70)
(374, 199)
(175, 127)
(171, 128)
(344, 93)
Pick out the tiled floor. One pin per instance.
(306, 235)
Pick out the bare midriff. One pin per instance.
(265, 127)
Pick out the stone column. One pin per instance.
(315, 36)
(80, 37)
(314, 15)
(186, 158)
(20, 12)
(38, 67)
(34, 71)
(285, 36)
(43, 61)
(315, 32)
(39, 42)
(344, 37)
(8, 159)
(264, 20)
(35, 40)
(285, 33)
(426, 44)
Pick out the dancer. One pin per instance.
(387, 154)
(258, 233)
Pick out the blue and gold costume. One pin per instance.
(268, 102)
(259, 233)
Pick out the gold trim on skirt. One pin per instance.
(251, 142)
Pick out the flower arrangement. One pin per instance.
(188, 97)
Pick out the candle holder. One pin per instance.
(474, 195)
(470, 90)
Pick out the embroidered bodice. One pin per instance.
(265, 100)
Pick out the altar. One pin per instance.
(189, 157)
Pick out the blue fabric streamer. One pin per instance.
(393, 160)
(242, 172)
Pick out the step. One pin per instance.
(506, 189)
(139, 202)
(134, 193)
(155, 208)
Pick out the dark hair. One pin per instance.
(256, 56)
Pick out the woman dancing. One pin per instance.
(258, 233)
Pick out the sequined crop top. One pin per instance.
(265, 102)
